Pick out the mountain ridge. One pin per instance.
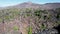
(35, 5)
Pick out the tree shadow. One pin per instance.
(57, 28)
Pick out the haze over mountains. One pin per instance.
(34, 5)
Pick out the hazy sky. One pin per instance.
(4, 3)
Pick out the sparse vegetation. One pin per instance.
(30, 30)
(37, 16)
(16, 28)
(42, 27)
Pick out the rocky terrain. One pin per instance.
(30, 18)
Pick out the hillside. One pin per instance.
(30, 18)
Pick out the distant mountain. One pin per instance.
(28, 5)
(51, 5)
(35, 6)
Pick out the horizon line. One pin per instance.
(27, 2)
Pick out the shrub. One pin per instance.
(30, 30)
(38, 13)
(0, 20)
(43, 26)
(16, 28)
